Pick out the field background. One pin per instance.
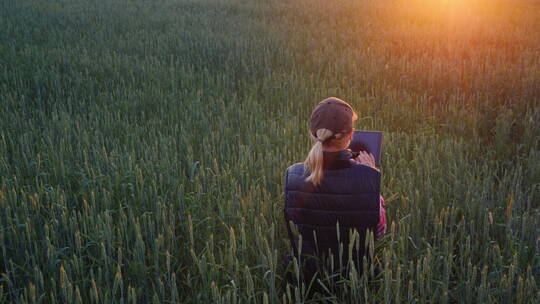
(143, 145)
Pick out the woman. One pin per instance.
(331, 193)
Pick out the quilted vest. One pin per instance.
(325, 215)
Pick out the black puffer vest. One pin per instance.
(348, 195)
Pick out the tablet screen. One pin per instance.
(369, 141)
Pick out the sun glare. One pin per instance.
(462, 14)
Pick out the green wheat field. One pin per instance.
(143, 145)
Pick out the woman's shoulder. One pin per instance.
(364, 170)
(360, 167)
(296, 169)
(299, 169)
(295, 178)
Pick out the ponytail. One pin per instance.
(314, 160)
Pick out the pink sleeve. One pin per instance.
(381, 227)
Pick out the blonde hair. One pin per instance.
(314, 160)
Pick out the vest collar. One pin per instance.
(336, 160)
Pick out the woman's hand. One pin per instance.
(366, 159)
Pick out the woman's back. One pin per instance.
(347, 198)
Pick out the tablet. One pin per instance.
(368, 141)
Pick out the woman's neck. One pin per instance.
(333, 149)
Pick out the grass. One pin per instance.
(143, 146)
